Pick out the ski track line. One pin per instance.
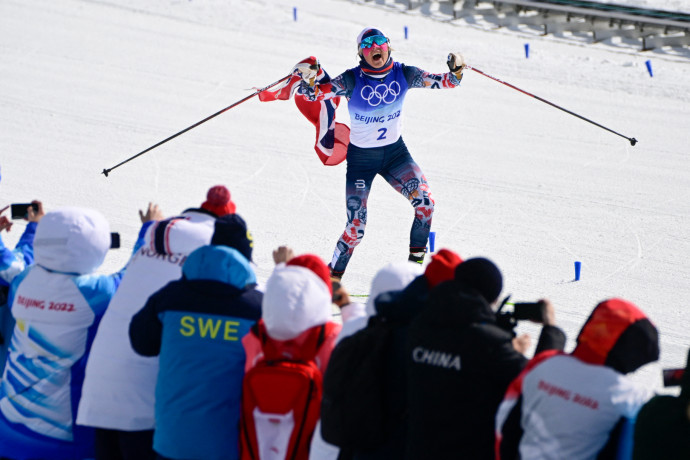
(553, 236)
(632, 263)
(461, 217)
(257, 172)
(325, 205)
(659, 241)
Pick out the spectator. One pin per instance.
(287, 318)
(195, 324)
(575, 405)
(392, 277)
(395, 277)
(119, 387)
(397, 294)
(460, 363)
(57, 303)
(662, 429)
(295, 325)
(13, 262)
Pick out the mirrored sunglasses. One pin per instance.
(369, 41)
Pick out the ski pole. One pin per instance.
(632, 140)
(106, 171)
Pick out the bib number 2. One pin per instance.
(382, 135)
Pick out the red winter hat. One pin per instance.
(442, 267)
(315, 264)
(218, 201)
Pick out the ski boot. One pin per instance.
(417, 255)
(336, 276)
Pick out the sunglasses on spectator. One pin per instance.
(369, 41)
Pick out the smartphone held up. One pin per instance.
(21, 210)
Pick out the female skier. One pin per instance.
(375, 91)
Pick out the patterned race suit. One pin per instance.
(376, 147)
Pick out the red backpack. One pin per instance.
(281, 399)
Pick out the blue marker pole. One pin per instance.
(405, 29)
(294, 13)
(578, 268)
(432, 241)
(648, 63)
(526, 50)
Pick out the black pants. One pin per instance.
(395, 164)
(124, 445)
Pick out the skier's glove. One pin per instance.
(456, 64)
(307, 69)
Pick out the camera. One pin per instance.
(21, 210)
(114, 240)
(532, 311)
(672, 377)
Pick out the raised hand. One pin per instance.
(456, 64)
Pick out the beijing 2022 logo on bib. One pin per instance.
(381, 93)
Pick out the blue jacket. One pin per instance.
(196, 325)
(12, 262)
(57, 303)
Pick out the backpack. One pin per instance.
(353, 413)
(281, 399)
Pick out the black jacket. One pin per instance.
(662, 429)
(460, 363)
(397, 309)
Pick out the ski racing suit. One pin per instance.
(376, 147)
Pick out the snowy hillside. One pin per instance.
(87, 84)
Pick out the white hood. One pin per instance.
(295, 300)
(392, 277)
(72, 240)
(180, 235)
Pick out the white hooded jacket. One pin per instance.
(57, 304)
(119, 386)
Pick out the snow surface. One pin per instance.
(85, 85)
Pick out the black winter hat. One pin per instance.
(481, 275)
(231, 230)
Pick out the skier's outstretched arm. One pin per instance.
(418, 78)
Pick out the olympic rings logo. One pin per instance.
(381, 93)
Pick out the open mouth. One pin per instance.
(376, 55)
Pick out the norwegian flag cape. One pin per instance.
(331, 138)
